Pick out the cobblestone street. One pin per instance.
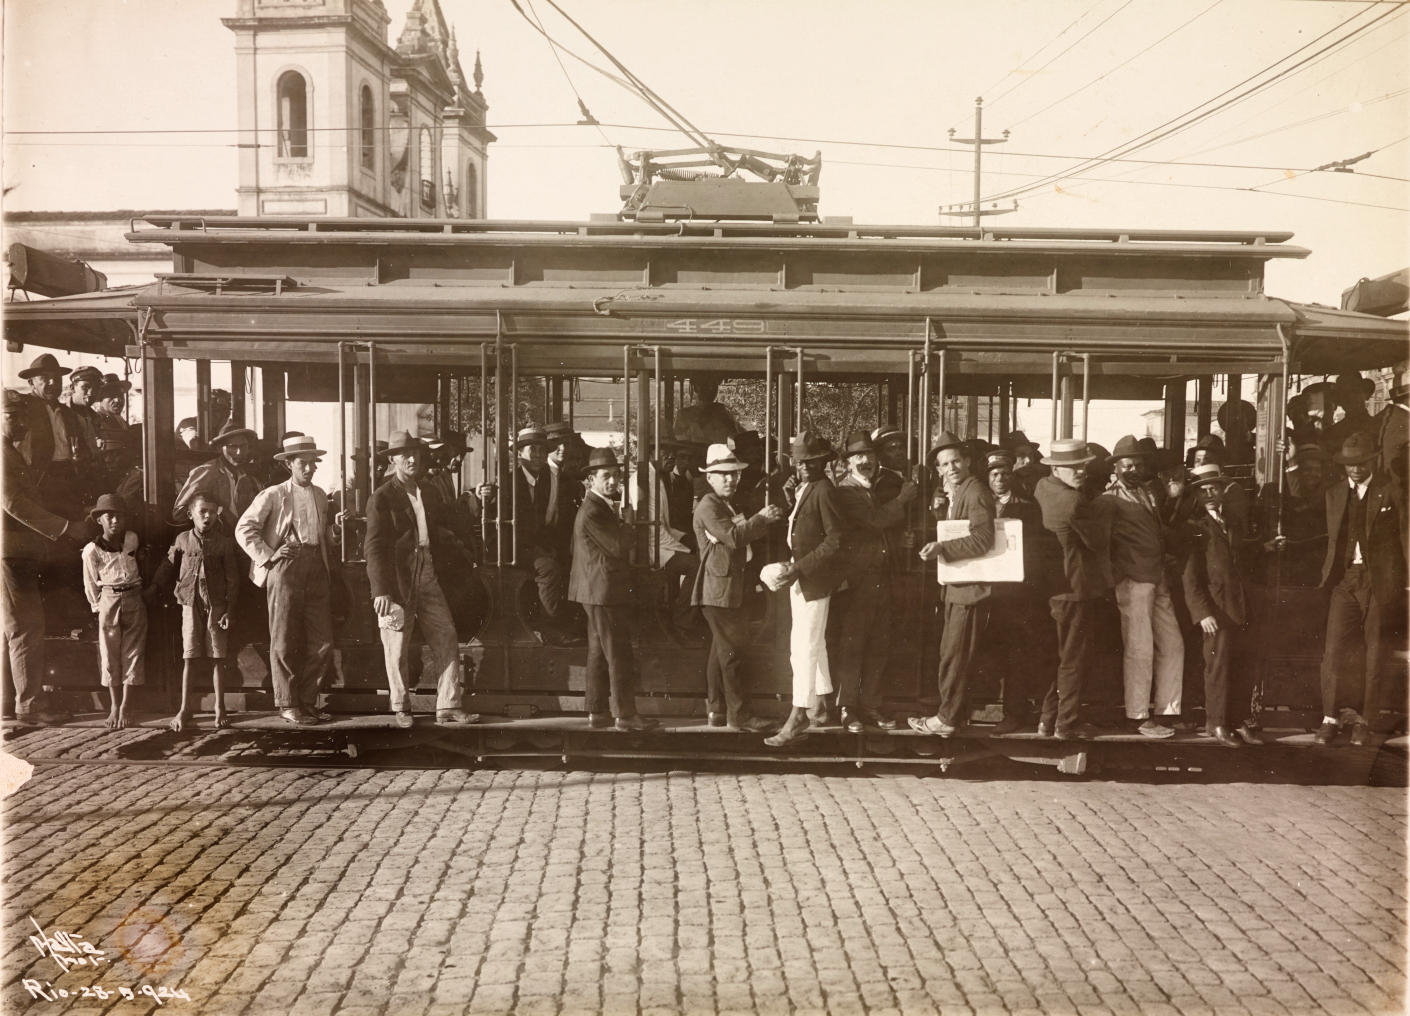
(365, 892)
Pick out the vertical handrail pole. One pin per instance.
(372, 407)
(656, 465)
(627, 442)
(514, 428)
(1086, 380)
(912, 431)
(1054, 400)
(769, 456)
(922, 424)
(342, 461)
(485, 445)
(499, 471)
(802, 390)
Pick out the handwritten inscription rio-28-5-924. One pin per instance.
(69, 950)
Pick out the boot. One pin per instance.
(794, 731)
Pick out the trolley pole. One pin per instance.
(978, 141)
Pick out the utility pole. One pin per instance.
(979, 140)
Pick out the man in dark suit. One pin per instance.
(1365, 569)
(966, 604)
(1077, 579)
(410, 548)
(864, 608)
(54, 445)
(813, 572)
(1218, 603)
(601, 580)
(1019, 626)
(723, 535)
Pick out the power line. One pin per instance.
(1123, 63)
(1022, 81)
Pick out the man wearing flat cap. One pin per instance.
(1077, 581)
(284, 533)
(601, 580)
(1153, 649)
(54, 445)
(1365, 568)
(864, 609)
(967, 498)
(723, 534)
(408, 548)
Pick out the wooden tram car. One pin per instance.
(371, 311)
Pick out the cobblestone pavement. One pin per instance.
(366, 892)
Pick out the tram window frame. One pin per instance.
(294, 121)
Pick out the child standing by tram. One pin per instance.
(112, 581)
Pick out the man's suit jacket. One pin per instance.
(1214, 586)
(267, 523)
(1083, 530)
(723, 537)
(817, 540)
(972, 500)
(1384, 549)
(29, 527)
(233, 491)
(390, 544)
(601, 574)
(864, 525)
(37, 448)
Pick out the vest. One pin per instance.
(1355, 527)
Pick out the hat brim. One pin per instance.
(230, 435)
(387, 453)
(528, 442)
(30, 372)
(312, 453)
(826, 456)
(1082, 461)
(1342, 459)
(726, 467)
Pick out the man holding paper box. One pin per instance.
(966, 604)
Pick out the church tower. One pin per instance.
(335, 121)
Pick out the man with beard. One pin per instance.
(864, 609)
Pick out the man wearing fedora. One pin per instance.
(1365, 568)
(284, 532)
(30, 531)
(1028, 466)
(227, 477)
(532, 535)
(54, 445)
(864, 609)
(1218, 604)
(1153, 650)
(706, 421)
(1351, 392)
(408, 548)
(966, 604)
(723, 534)
(1302, 514)
(1082, 526)
(601, 580)
(813, 573)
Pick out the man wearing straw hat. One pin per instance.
(723, 535)
(1082, 526)
(285, 534)
(408, 533)
(1365, 568)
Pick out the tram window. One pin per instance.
(293, 116)
(369, 130)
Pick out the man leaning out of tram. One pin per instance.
(723, 534)
(967, 498)
(1082, 525)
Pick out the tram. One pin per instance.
(468, 315)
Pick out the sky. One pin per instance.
(874, 86)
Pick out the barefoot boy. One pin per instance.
(208, 582)
(113, 583)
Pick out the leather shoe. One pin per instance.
(852, 722)
(1250, 733)
(1222, 735)
(321, 716)
(1008, 725)
(404, 720)
(599, 720)
(1081, 732)
(1045, 728)
(718, 720)
(44, 718)
(637, 722)
(456, 718)
(755, 725)
(297, 718)
(1360, 733)
(1325, 733)
(878, 721)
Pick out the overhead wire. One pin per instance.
(1032, 74)
(567, 77)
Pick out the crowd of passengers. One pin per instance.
(1170, 546)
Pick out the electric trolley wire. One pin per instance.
(1118, 67)
(1022, 81)
(567, 77)
(1188, 119)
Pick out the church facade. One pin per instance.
(336, 121)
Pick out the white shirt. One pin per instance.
(418, 508)
(797, 503)
(305, 516)
(1358, 490)
(61, 432)
(104, 569)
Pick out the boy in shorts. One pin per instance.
(207, 583)
(113, 583)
